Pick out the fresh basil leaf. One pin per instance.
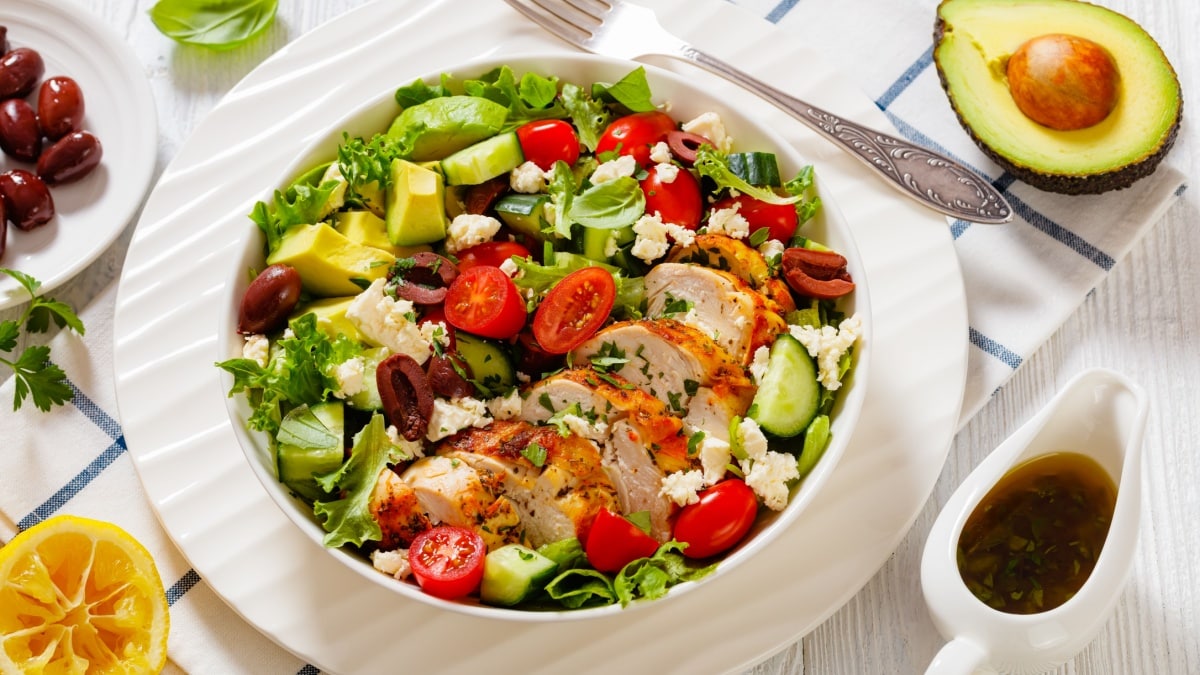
(631, 91)
(500, 85)
(589, 115)
(538, 91)
(215, 24)
(610, 205)
(419, 92)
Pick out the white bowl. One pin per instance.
(685, 102)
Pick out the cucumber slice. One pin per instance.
(595, 241)
(483, 161)
(310, 440)
(788, 395)
(367, 398)
(491, 368)
(512, 573)
(816, 439)
(523, 213)
(756, 168)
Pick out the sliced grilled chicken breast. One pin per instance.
(735, 256)
(395, 507)
(719, 304)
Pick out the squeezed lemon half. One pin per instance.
(80, 596)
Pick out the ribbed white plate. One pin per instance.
(119, 110)
(183, 444)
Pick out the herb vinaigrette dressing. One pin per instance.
(1033, 540)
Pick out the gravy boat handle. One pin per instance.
(957, 657)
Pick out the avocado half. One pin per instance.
(973, 40)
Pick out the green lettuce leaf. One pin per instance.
(590, 116)
(579, 587)
(609, 205)
(631, 91)
(533, 98)
(631, 291)
(652, 577)
(300, 204)
(348, 520)
(419, 92)
(713, 164)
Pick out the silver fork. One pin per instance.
(623, 30)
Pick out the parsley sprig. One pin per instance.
(36, 375)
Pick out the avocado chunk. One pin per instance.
(368, 229)
(1113, 128)
(441, 126)
(330, 264)
(416, 205)
(331, 317)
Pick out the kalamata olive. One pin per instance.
(60, 107)
(817, 264)
(445, 379)
(406, 395)
(479, 198)
(26, 198)
(423, 279)
(70, 158)
(816, 274)
(684, 145)
(19, 134)
(269, 300)
(3, 40)
(20, 70)
(3, 229)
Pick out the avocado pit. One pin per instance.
(1063, 81)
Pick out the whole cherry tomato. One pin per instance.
(574, 309)
(447, 561)
(634, 134)
(614, 542)
(545, 142)
(492, 253)
(718, 521)
(779, 219)
(678, 201)
(484, 301)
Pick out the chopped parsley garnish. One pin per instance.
(33, 372)
(535, 453)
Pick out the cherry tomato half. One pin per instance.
(492, 253)
(676, 202)
(719, 520)
(614, 542)
(574, 309)
(780, 219)
(634, 134)
(484, 301)
(447, 561)
(545, 142)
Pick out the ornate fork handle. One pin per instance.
(940, 182)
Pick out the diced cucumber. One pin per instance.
(789, 393)
(523, 213)
(595, 241)
(367, 398)
(490, 365)
(483, 161)
(756, 168)
(310, 440)
(512, 573)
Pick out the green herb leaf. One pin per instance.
(579, 587)
(35, 375)
(713, 164)
(608, 206)
(215, 24)
(652, 577)
(641, 519)
(590, 116)
(526, 102)
(631, 91)
(38, 377)
(535, 453)
(419, 92)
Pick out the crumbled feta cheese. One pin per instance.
(651, 243)
(771, 248)
(714, 457)
(681, 487)
(527, 178)
(435, 331)
(625, 165)
(610, 246)
(349, 377)
(452, 416)
(680, 234)
(692, 318)
(394, 563)
(388, 322)
(550, 213)
(758, 367)
(710, 126)
(827, 345)
(509, 267)
(729, 222)
(522, 378)
(413, 449)
(597, 431)
(257, 348)
(666, 172)
(769, 476)
(337, 198)
(660, 153)
(505, 407)
(469, 229)
(288, 333)
(754, 443)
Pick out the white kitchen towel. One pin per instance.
(1022, 281)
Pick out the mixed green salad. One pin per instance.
(542, 343)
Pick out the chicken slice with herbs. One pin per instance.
(721, 252)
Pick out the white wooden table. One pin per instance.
(1141, 321)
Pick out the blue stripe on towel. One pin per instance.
(93, 412)
(906, 78)
(781, 10)
(999, 351)
(179, 588)
(80, 481)
(308, 669)
(1062, 234)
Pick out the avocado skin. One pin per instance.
(1087, 184)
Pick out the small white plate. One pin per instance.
(119, 110)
